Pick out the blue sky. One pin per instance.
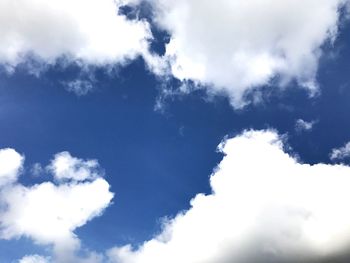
(153, 120)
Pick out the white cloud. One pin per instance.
(233, 47)
(66, 167)
(264, 207)
(229, 47)
(34, 259)
(341, 153)
(11, 164)
(79, 87)
(90, 31)
(49, 213)
(301, 125)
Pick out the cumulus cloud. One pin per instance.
(228, 47)
(66, 167)
(340, 153)
(265, 206)
(233, 47)
(90, 31)
(302, 125)
(11, 163)
(49, 213)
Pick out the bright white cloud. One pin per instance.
(228, 47)
(264, 207)
(49, 213)
(11, 163)
(34, 259)
(232, 47)
(340, 153)
(90, 31)
(66, 167)
(302, 125)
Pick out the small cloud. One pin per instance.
(340, 153)
(79, 87)
(66, 167)
(182, 131)
(34, 259)
(11, 164)
(37, 169)
(302, 125)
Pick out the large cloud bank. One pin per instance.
(228, 47)
(232, 47)
(48, 213)
(265, 206)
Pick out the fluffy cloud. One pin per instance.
(228, 47)
(232, 47)
(34, 259)
(341, 153)
(265, 206)
(66, 167)
(90, 31)
(49, 213)
(11, 163)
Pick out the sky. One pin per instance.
(139, 131)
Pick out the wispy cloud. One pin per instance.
(79, 87)
(340, 153)
(302, 125)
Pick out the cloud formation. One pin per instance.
(66, 167)
(34, 259)
(265, 206)
(90, 31)
(49, 213)
(233, 47)
(340, 153)
(226, 47)
(79, 87)
(302, 125)
(11, 164)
